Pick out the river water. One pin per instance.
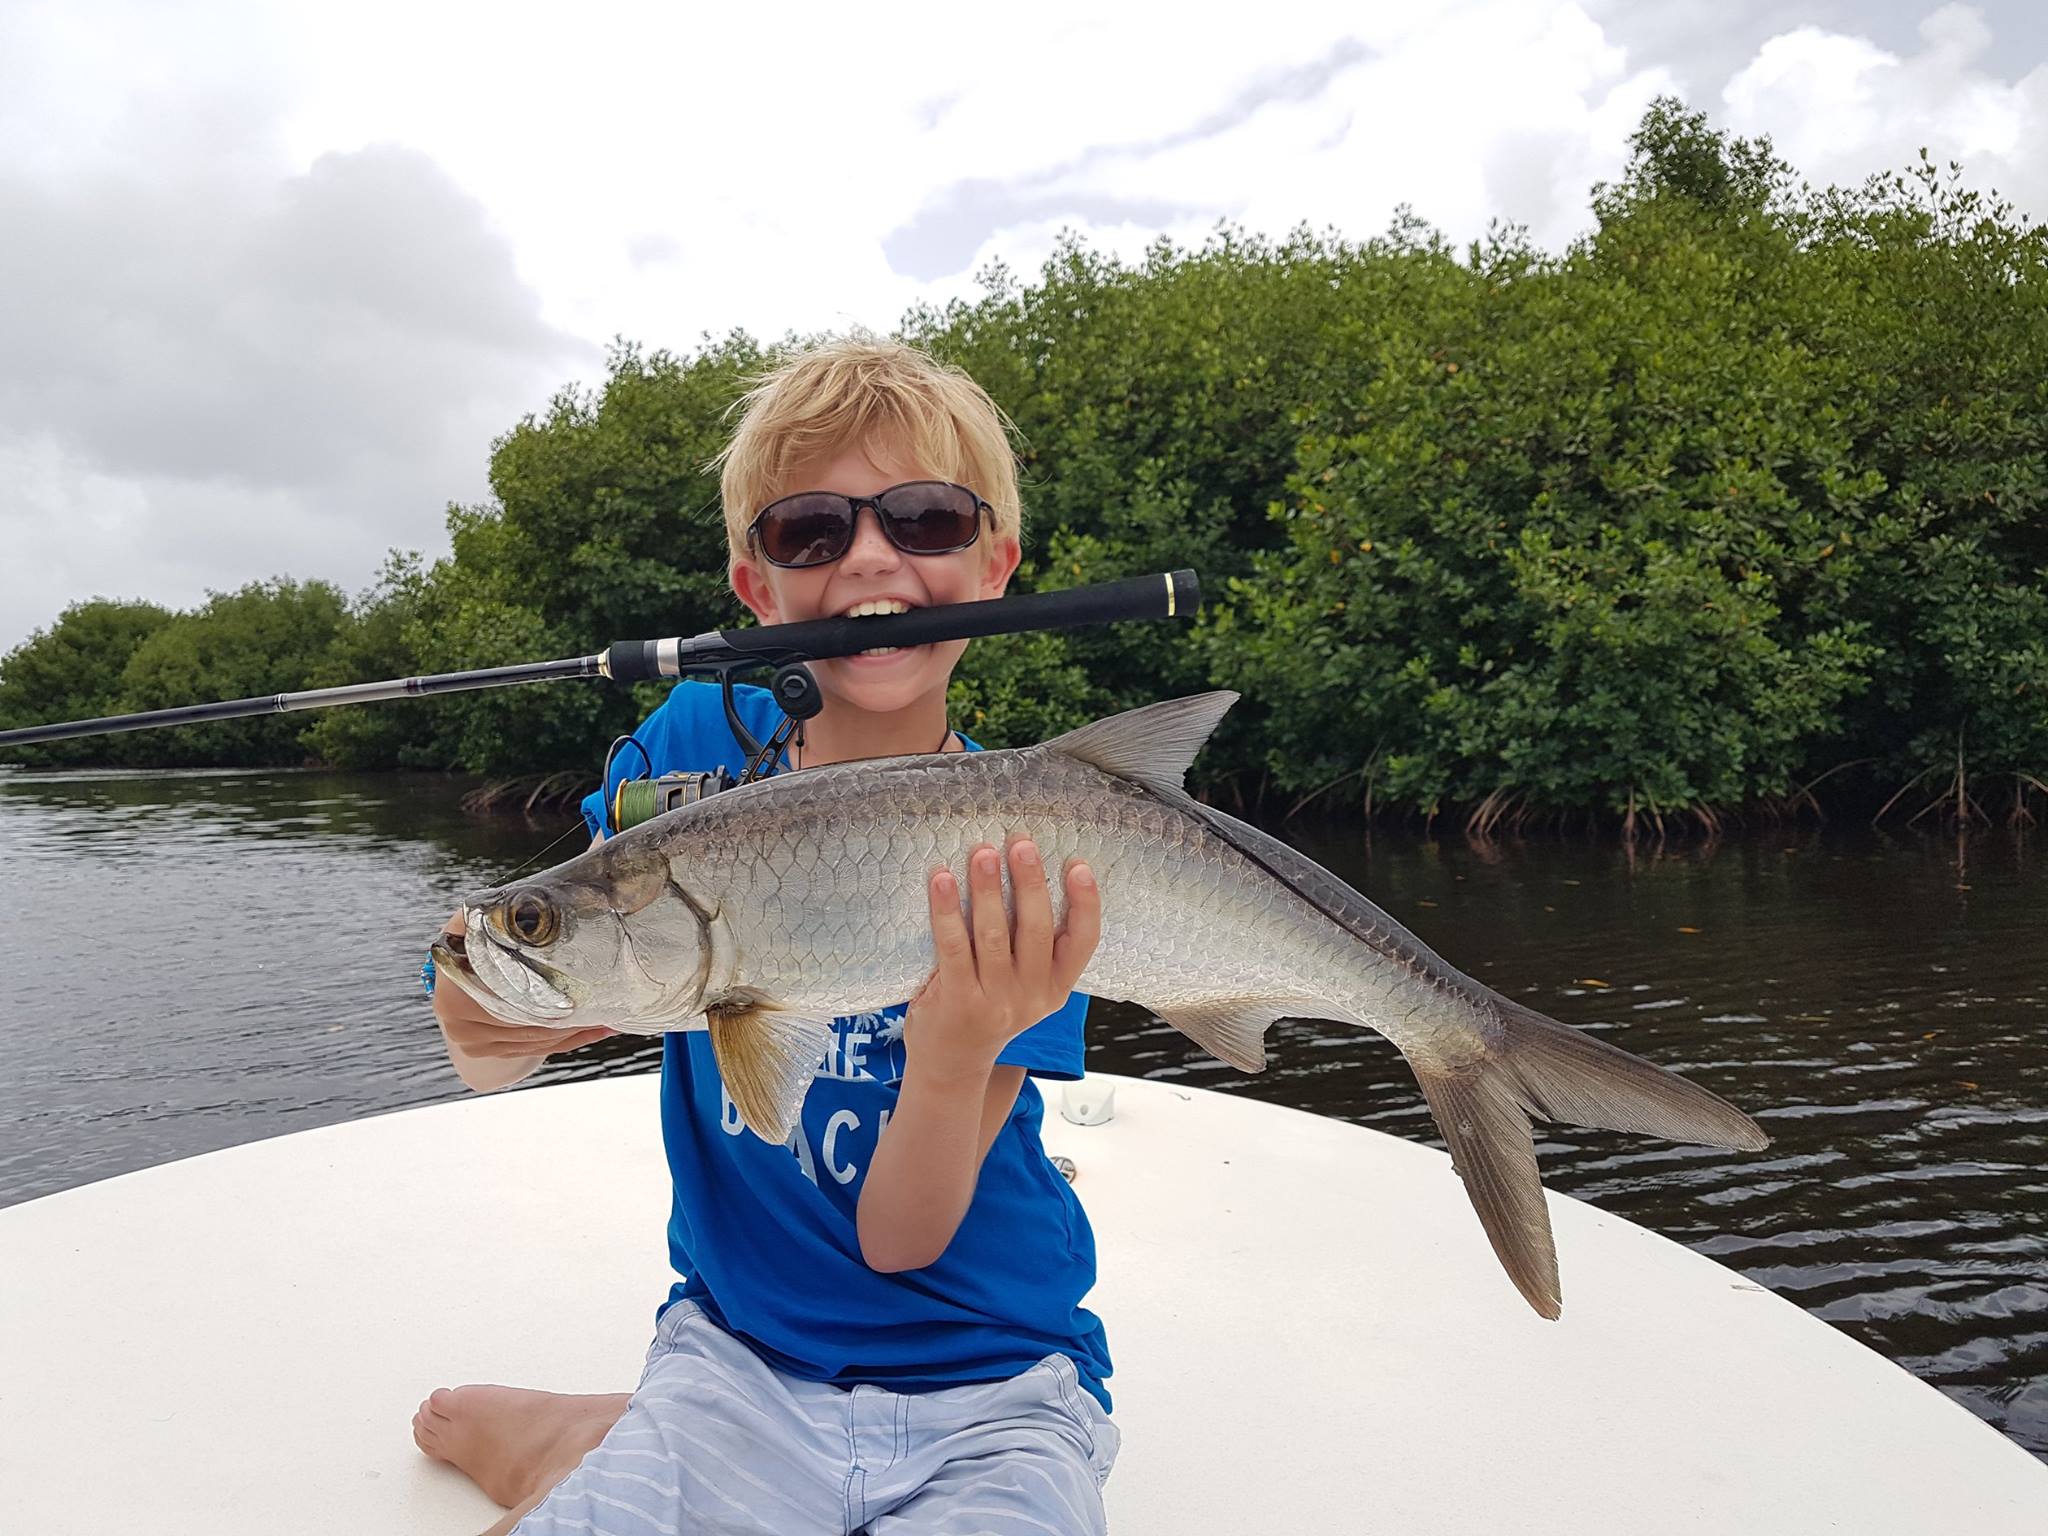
(194, 960)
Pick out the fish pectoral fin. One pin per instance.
(767, 1057)
(1152, 746)
(1494, 1152)
(1231, 1029)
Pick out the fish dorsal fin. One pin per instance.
(767, 1057)
(1152, 745)
(1233, 1029)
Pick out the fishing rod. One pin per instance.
(1162, 596)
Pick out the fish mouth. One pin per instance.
(503, 982)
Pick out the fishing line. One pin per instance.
(604, 777)
(566, 835)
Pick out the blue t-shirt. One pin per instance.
(764, 1235)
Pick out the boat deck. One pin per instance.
(1310, 1334)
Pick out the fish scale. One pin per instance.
(765, 912)
(1181, 917)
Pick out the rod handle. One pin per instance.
(1165, 595)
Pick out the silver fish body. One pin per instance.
(822, 886)
(764, 912)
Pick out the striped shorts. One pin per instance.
(718, 1440)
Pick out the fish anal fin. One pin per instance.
(1231, 1029)
(1152, 745)
(1494, 1152)
(767, 1057)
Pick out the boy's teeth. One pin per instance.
(876, 606)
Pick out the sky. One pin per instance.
(273, 277)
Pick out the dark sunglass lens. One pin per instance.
(806, 530)
(931, 519)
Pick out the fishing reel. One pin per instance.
(641, 799)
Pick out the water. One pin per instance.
(201, 959)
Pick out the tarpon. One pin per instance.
(762, 913)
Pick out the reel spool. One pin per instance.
(639, 800)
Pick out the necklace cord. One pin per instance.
(795, 763)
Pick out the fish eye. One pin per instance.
(532, 917)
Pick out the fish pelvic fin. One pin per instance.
(767, 1057)
(1535, 1066)
(1233, 1029)
(1153, 745)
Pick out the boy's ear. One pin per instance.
(1003, 557)
(750, 586)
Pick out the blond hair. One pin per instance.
(862, 390)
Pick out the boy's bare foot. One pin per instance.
(513, 1443)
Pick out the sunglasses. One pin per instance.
(919, 517)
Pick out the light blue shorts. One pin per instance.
(718, 1440)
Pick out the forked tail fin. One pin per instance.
(1542, 1067)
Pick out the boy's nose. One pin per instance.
(870, 549)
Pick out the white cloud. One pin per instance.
(1839, 107)
(171, 540)
(216, 366)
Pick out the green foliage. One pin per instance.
(1743, 486)
(119, 658)
(606, 526)
(1013, 690)
(376, 640)
(266, 638)
(1943, 317)
(610, 520)
(1153, 406)
(72, 671)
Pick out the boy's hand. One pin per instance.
(995, 977)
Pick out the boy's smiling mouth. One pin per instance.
(877, 607)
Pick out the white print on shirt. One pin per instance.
(861, 1044)
(834, 1155)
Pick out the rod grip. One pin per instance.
(1165, 595)
(635, 661)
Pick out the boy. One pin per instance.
(879, 1326)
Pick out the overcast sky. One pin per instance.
(273, 276)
